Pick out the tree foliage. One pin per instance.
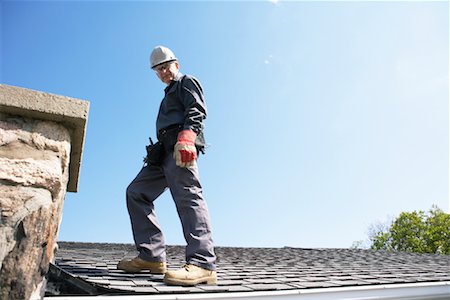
(414, 232)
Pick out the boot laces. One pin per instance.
(188, 267)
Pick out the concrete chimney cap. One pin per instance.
(71, 112)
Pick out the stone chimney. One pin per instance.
(41, 142)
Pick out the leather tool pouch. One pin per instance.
(155, 154)
(200, 143)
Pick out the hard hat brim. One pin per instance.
(170, 60)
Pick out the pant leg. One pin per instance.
(186, 190)
(142, 191)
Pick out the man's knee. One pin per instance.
(131, 192)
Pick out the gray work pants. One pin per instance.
(186, 190)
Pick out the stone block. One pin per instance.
(70, 112)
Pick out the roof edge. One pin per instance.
(416, 291)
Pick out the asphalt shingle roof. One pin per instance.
(255, 269)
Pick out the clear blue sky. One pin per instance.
(324, 117)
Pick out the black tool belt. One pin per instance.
(155, 153)
(167, 138)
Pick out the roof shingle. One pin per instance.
(255, 269)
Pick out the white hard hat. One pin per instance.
(160, 55)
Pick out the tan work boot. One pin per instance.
(190, 275)
(137, 265)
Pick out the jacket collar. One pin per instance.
(172, 84)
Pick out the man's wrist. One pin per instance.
(187, 136)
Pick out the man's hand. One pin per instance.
(185, 152)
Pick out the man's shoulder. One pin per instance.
(189, 77)
(189, 80)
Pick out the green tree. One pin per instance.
(414, 232)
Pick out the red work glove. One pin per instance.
(185, 152)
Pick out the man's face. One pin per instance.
(167, 71)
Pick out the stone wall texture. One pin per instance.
(34, 171)
(70, 112)
(41, 145)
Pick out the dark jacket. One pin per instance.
(183, 104)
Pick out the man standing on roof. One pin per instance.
(179, 128)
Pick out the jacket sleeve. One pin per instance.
(191, 95)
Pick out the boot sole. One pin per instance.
(210, 280)
(138, 270)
